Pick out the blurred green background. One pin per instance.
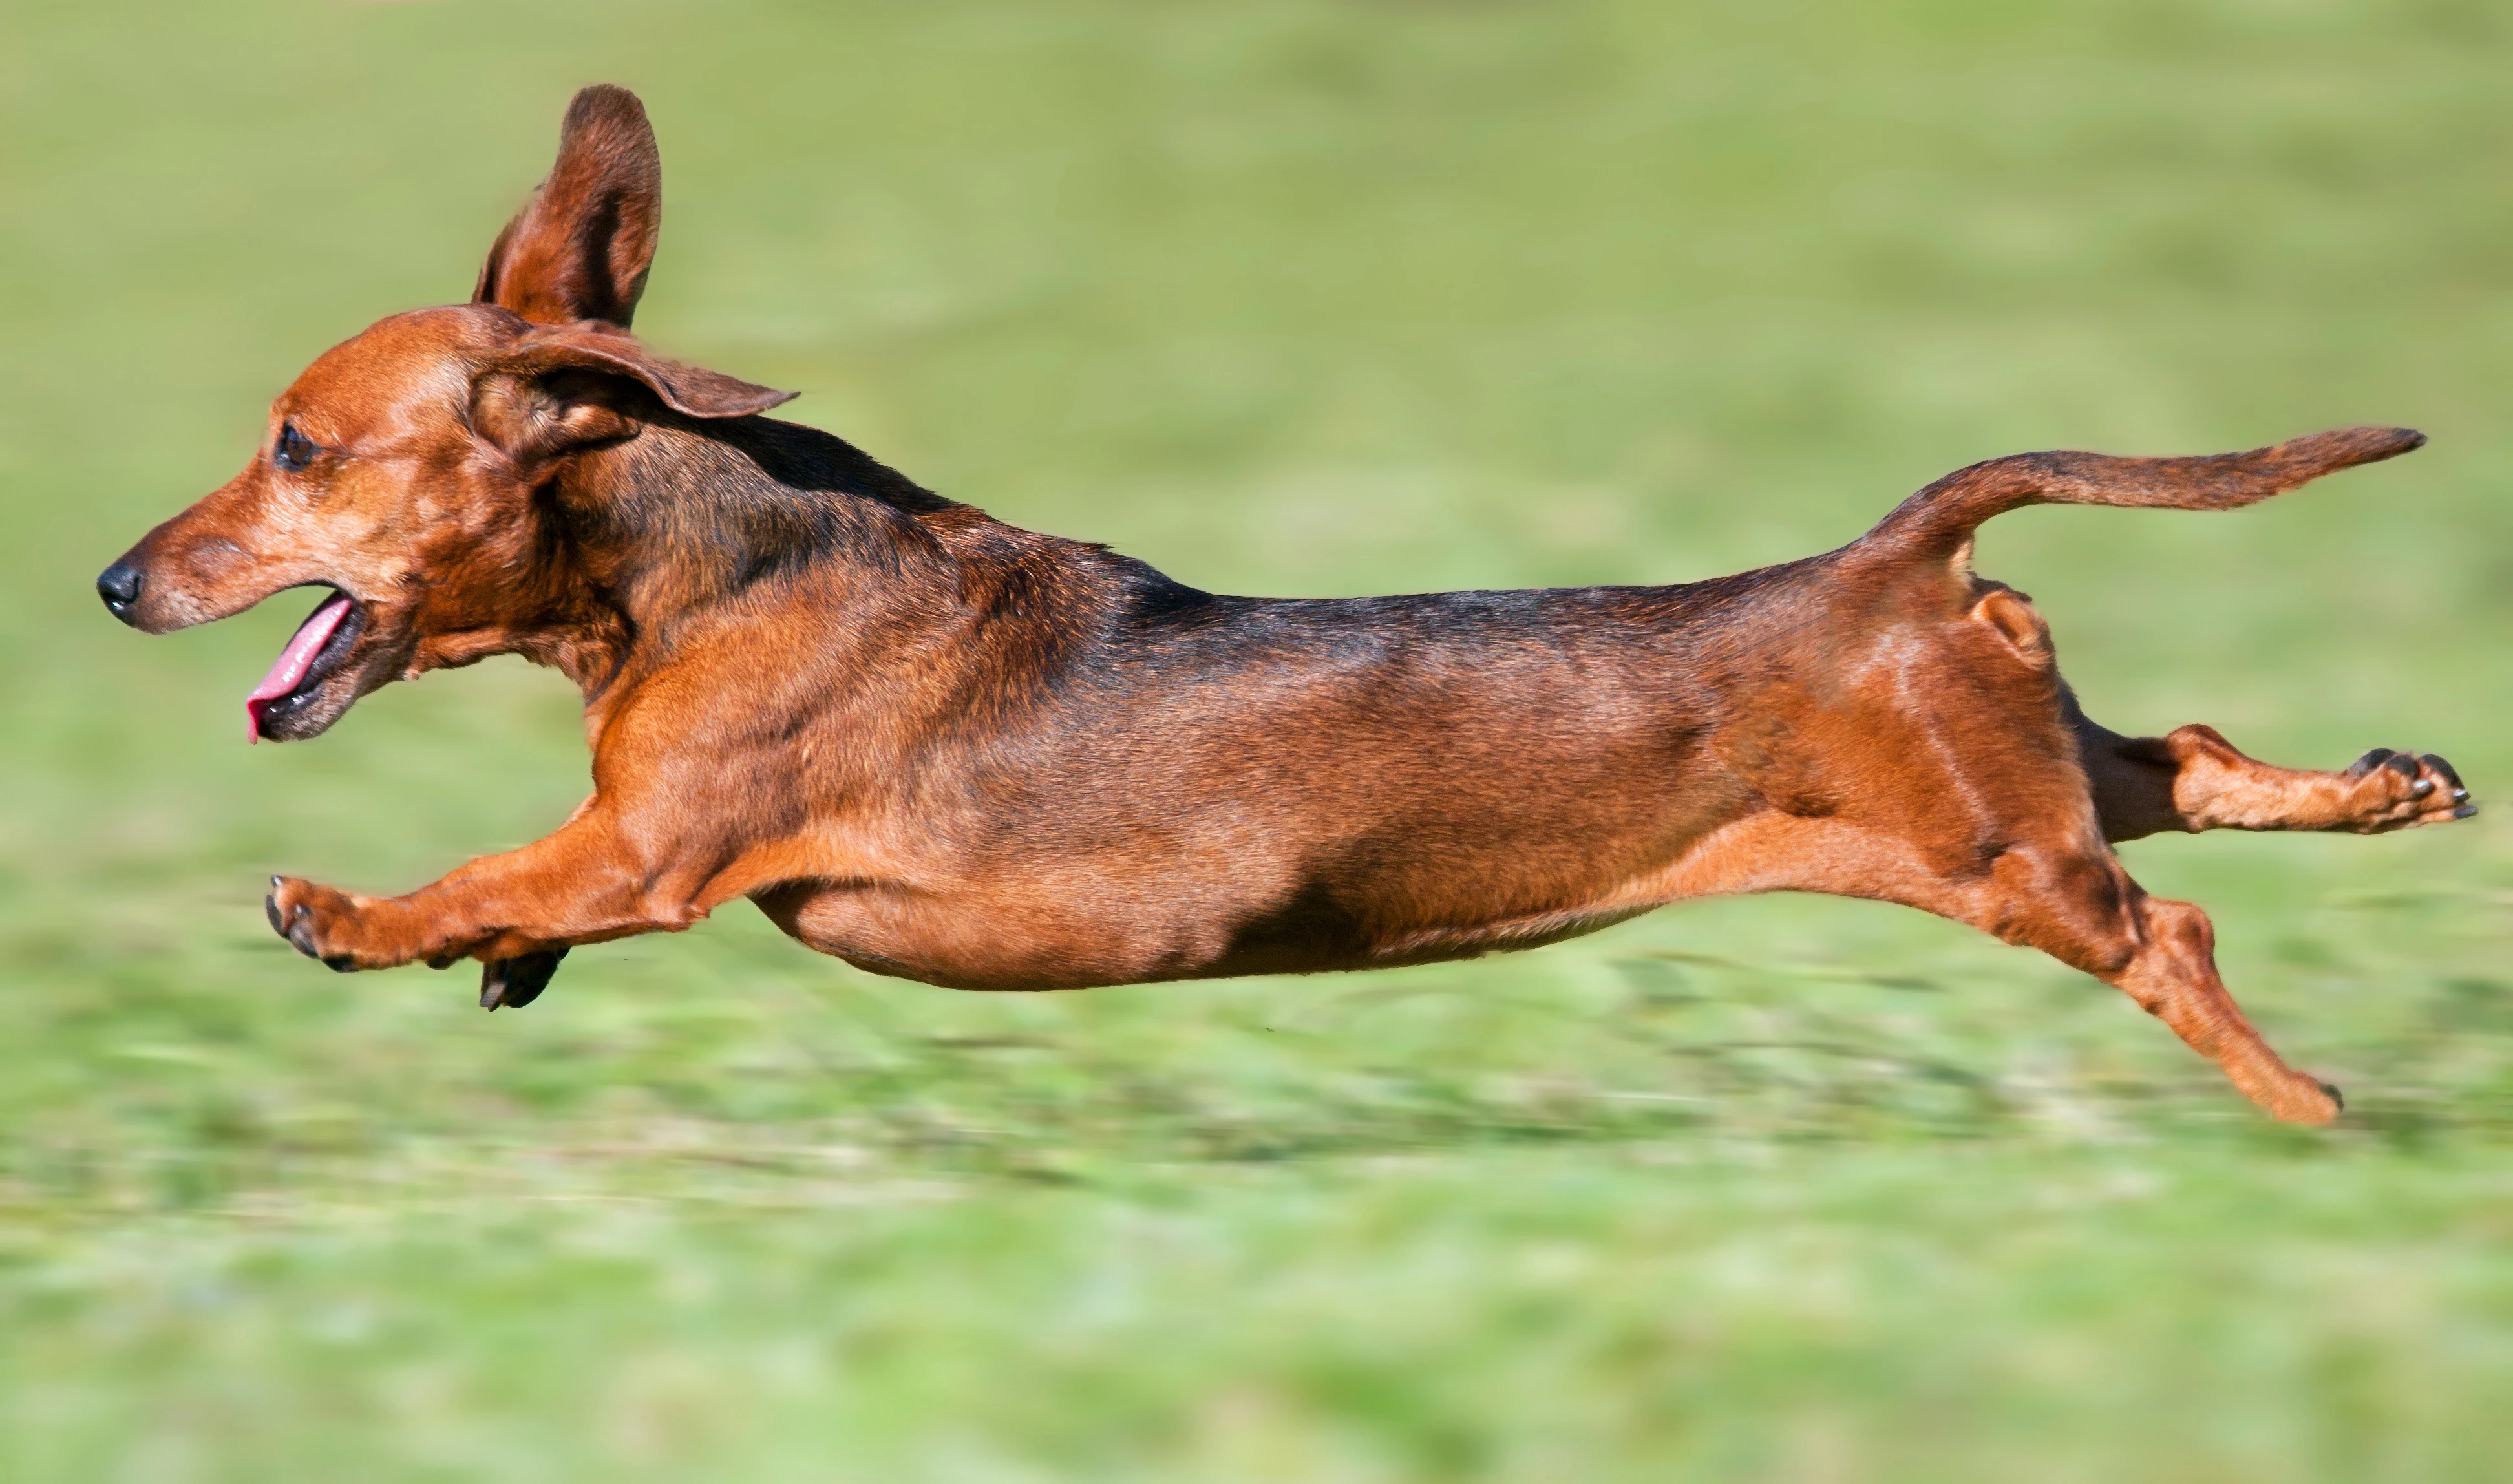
(1316, 297)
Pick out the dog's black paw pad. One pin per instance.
(514, 983)
(2371, 761)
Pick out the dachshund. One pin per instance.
(943, 747)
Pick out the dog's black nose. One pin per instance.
(119, 587)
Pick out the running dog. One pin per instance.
(945, 748)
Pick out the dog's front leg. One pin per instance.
(598, 877)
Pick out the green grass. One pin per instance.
(1309, 298)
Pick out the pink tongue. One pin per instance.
(288, 671)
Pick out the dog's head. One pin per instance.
(400, 472)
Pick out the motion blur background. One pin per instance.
(1330, 297)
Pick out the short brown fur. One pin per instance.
(941, 747)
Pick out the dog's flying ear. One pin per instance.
(562, 387)
(581, 247)
(690, 390)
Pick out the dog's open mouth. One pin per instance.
(316, 650)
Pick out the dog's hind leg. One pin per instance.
(2163, 955)
(1952, 772)
(2088, 914)
(2064, 894)
(2192, 780)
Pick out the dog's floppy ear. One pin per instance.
(690, 390)
(580, 246)
(562, 387)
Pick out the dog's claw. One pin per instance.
(514, 982)
(2336, 1095)
(2444, 771)
(300, 931)
(271, 910)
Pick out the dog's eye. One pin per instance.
(292, 449)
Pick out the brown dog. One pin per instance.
(941, 747)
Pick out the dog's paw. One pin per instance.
(2394, 790)
(322, 924)
(2309, 1102)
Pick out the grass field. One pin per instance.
(1290, 298)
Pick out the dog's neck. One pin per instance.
(638, 548)
(670, 530)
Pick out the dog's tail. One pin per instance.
(1939, 519)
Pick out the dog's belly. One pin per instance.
(996, 946)
(1079, 924)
